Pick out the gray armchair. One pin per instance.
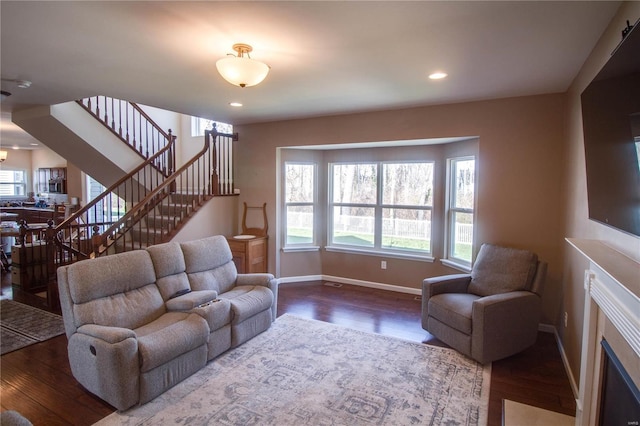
(491, 313)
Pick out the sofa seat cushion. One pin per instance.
(169, 336)
(454, 309)
(247, 301)
(217, 313)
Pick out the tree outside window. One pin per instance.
(382, 206)
(461, 209)
(300, 181)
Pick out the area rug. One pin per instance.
(23, 325)
(308, 372)
(518, 414)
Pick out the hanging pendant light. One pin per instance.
(241, 70)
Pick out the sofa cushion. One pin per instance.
(501, 270)
(109, 275)
(453, 309)
(209, 255)
(169, 266)
(129, 309)
(220, 279)
(171, 335)
(247, 301)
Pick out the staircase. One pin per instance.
(146, 206)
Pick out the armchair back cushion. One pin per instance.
(117, 291)
(501, 270)
(209, 264)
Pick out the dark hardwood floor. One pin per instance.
(37, 380)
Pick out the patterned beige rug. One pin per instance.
(23, 325)
(303, 371)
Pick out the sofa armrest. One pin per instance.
(504, 324)
(191, 300)
(254, 279)
(105, 361)
(107, 334)
(262, 279)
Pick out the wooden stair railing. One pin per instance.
(72, 236)
(163, 209)
(129, 123)
(163, 212)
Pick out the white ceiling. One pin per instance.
(326, 57)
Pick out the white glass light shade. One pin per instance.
(243, 72)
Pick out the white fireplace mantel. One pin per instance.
(612, 290)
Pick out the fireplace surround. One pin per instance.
(611, 313)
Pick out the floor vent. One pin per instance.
(418, 298)
(330, 284)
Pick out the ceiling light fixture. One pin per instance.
(437, 75)
(235, 104)
(241, 70)
(3, 156)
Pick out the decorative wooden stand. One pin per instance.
(250, 249)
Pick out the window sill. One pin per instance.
(386, 254)
(300, 249)
(456, 265)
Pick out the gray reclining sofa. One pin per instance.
(142, 321)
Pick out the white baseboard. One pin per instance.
(361, 283)
(548, 328)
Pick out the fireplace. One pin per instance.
(619, 395)
(610, 337)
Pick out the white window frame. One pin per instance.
(199, 125)
(306, 246)
(449, 258)
(378, 207)
(22, 184)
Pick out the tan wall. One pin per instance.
(576, 210)
(520, 167)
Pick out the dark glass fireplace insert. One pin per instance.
(620, 402)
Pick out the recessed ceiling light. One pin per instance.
(437, 75)
(33, 144)
(235, 104)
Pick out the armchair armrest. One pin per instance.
(504, 324)
(456, 283)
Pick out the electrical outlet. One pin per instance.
(566, 319)
(383, 264)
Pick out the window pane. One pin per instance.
(353, 226)
(299, 225)
(406, 229)
(464, 183)
(462, 235)
(409, 184)
(299, 183)
(355, 183)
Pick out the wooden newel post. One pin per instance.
(53, 299)
(96, 240)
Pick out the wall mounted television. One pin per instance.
(611, 124)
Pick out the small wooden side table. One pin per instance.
(250, 253)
